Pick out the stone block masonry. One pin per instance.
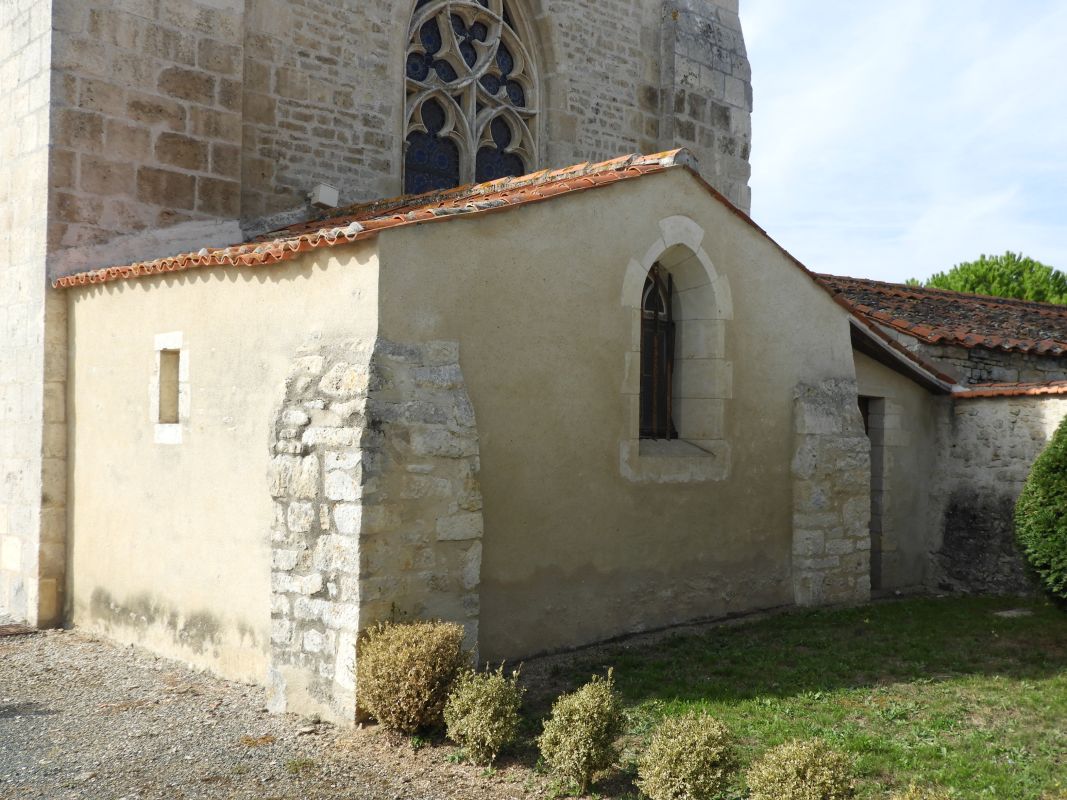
(831, 496)
(142, 128)
(707, 92)
(377, 510)
(147, 125)
(987, 448)
(32, 347)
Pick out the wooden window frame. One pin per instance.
(657, 356)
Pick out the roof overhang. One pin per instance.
(876, 345)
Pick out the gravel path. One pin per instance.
(83, 718)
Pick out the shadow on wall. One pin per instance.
(978, 553)
(201, 632)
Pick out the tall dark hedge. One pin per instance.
(1041, 515)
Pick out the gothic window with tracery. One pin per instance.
(657, 356)
(471, 96)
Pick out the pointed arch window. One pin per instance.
(657, 356)
(471, 96)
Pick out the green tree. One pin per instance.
(1009, 275)
(1041, 515)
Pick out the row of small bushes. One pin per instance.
(415, 676)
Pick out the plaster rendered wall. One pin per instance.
(988, 446)
(573, 550)
(170, 544)
(908, 465)
(32, 363)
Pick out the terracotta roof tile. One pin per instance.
(982, 390)
(351, 223)
(937, 316)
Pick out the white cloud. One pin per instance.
(894, 140)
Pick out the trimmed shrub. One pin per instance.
(579, 737)
(914, 792)
(482, 712)
(801, 770)
(1041, 515)
(689, 758)
(405, 671)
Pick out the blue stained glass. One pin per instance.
(466, 38)
(516, 94)
(505, 60)
(433, 116)
(445, 71)
(491, 84)
(419, 66)
(500, 132)
(431, 163)
(493, 163)
(466, 49)
(430, 35)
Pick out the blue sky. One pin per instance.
(895, 139)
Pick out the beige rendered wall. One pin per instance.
(904, 422)
(170, 543)
(573, 550)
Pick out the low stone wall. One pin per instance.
(378, 510)
(987, 448)
(831, 496)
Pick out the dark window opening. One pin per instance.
(432, 161)
(657, 356)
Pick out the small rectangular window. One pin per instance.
(169, 362)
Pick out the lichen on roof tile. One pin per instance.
(938, 316)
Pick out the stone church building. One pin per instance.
(317, 313)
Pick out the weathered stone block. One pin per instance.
(217, 197)
(80, 130)
(459, 526)
(341, 486)
(182, 151)
(166, 187)
(132, 141)
(153, 110)
(188, 84)
(300, 517)
(348, 518)
(101, 176)
(345, 381)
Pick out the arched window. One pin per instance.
(471, 96)
(657, 356)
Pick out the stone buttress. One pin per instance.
(831, 496)
(377, 510)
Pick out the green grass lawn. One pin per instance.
(933, 691)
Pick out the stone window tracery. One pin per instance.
(471, 96)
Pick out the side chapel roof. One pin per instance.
(1040, 328)
(937, 316)
(364, 220)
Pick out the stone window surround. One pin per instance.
(703, 378)
(169, 433)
